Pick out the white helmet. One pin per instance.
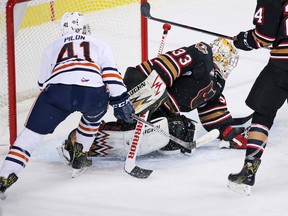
(74, 22)
(225, 56)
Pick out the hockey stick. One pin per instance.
(241, 120)
(189, 146)
(145, 11)
(130, 163)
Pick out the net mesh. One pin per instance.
(37, 23)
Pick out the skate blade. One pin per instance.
(242, 189)
(78, 172)
(2, 196)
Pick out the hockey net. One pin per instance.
(36, 23)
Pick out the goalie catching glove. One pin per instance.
(235, 138)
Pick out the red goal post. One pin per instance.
(116, 19)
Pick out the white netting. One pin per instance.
(115, 21)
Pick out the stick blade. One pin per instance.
(207, 138)
(145, 9)
(139, 172)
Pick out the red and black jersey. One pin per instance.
(192, 83)
(271, 28)
(196, 60)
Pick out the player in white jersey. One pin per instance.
(78, 73)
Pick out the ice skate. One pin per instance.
(243, 181)
(81, 162)
(5, 183)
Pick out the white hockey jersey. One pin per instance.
(80, 60)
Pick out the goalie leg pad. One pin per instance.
(114, 139)
(115, 143)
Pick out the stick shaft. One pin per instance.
(145, 10)
(192, 28)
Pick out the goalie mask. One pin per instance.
(225, 56)
(74, 22)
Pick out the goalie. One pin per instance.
(194, 78)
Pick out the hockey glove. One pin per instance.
(123, 108)
(235, 136)
(245, 41)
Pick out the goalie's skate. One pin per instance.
(243, 181)
(65, 152)
(5, 183)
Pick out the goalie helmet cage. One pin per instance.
(28, 26)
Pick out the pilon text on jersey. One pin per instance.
(74, 37)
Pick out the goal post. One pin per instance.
(118, 22)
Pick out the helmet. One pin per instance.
(74, 22)
(225, 56)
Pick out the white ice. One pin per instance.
(179, 185)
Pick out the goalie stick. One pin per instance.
(189, 146)
(130, 163)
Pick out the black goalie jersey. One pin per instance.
(192, 83)
(189, 76)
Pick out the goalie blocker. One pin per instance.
(149, 94)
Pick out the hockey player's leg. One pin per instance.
(93, 107)
(243, 181)
(265, 98)
(17, 158)
(85, 134)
